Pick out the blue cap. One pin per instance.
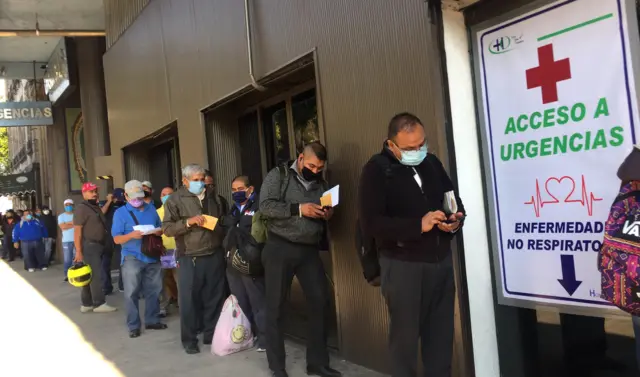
(118, 194)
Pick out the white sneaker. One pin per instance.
(86, 309)
(104, 308)
(44, 268)
(32, 270)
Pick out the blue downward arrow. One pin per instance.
(568, 281)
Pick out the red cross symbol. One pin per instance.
(548, 73)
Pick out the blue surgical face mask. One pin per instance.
(68, 208)
(196, 187)
(28, 217)
(164, 198)
(414, 158)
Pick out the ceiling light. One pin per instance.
(37, 26)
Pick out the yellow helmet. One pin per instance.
(79, 275)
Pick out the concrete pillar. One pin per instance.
(89, 53)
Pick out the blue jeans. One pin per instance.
(33, 254)
(141, 279)
(69, 253)
(636, 331)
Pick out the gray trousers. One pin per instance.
(420, 298)
(92, 294)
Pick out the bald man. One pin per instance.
(170, 285)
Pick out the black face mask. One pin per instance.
(310, 176)
(93, 202)
(147, 194)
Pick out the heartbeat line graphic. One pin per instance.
(586, 199)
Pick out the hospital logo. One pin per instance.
(504, 44)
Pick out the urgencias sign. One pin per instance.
(25, 114)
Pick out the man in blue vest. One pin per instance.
(29, 235)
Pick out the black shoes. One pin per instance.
(322, 371)
(192, 349)
(134, 333)
(279, 373)
(207, 342)
(156, 326)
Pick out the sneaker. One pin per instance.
(104, 308)
(121, 290)
(86, 309)
(43, 269)
(260, 349)
(66, 280)
(32, 270)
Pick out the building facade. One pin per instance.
(28, 144)
(240, 87)
(196, 87)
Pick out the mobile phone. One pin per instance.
(461, 218)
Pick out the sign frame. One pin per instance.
(627, 12)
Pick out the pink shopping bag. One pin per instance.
(233, 331)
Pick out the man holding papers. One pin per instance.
(290, 201)
(189, 217)
(141, 273)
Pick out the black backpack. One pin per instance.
(366, 243)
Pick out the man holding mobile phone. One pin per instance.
(408, 205)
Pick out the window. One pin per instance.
(305, 119)
(287, 126)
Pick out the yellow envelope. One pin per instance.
(210, 222)
(326, 201)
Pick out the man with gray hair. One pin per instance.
(201, 264)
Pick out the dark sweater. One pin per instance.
(284, 217)
(391, 207)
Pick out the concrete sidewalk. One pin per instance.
(41, 313)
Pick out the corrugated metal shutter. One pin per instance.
(119, 15)
(136, 165)
(224, 154)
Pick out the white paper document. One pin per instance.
(333, 194)
(450, 203)
(146, 229)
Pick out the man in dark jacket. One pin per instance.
(49, 222)
(201, 265)
(402, 205)
(8, 222)
(296, 226)
(248, 289)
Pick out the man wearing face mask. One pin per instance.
(49, 222)
(170, 275)
(28, 235)
(201, 269)
(117, 201)
(296, 224)
(248, 289)
(141, 274)
(65, 222)
(148, 194)
(90, 236)
(401, 205)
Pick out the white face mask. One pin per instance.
(45, 212)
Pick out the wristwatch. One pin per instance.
(186, 223)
